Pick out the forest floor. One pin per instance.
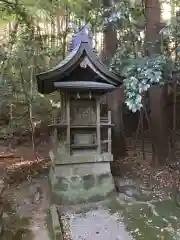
(21, 159)
(27, 192)
(156, 178)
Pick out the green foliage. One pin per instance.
(20, 103)
(27, 53)
(140, 74)
(130, 60)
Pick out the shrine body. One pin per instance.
(81, 132)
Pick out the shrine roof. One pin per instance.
(84, 85)
(81, 57)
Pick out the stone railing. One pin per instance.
(55, 226)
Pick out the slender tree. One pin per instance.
(115, 99)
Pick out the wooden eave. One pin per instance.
(46, 80)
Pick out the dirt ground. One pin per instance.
(20, 163)
(22, 157)
(25, 209)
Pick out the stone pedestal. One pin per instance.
(79, 181)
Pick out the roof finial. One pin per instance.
(74, 27)
(81, 35)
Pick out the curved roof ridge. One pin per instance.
(74, 58)
(64, 61)
(96, 60)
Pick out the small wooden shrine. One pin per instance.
(82, 131)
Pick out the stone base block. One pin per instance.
(77, 183)
(60, 156)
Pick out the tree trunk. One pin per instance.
(115, 101)
(118, 143)
(157, 94)
(152, 37)
(109, 34)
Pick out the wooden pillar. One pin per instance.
(98, 126)
(109, 133)
(68, 146)
(54, 136)
(54, 132)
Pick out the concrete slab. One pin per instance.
(95, 223)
